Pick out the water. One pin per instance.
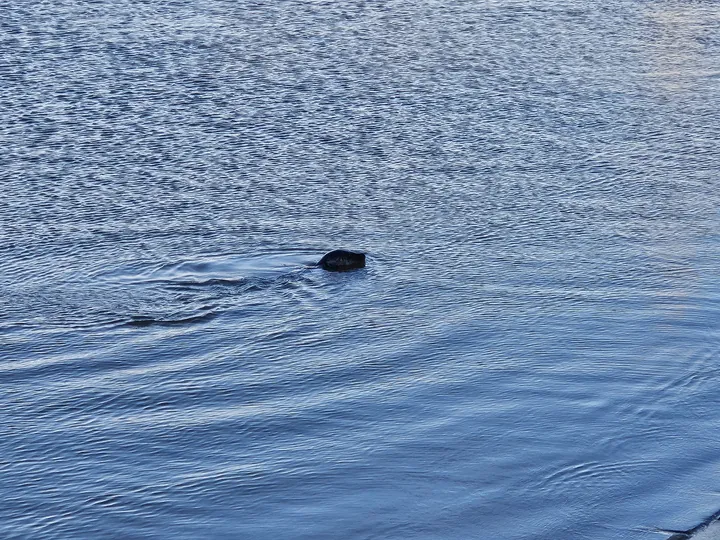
(532, 351)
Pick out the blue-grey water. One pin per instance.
(532, 352)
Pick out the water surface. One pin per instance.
(532, 351)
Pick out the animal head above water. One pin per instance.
(341, 260)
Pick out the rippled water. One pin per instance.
(533, 350)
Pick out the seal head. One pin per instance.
(341, 260)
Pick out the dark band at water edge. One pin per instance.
(341, 260)
(703, 529)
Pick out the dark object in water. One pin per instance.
(708, 529)
(341, 260)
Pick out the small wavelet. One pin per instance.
(142, 320)
(594, 474)
(223, 269)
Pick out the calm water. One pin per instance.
(533, 351)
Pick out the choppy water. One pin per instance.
(533, 351)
